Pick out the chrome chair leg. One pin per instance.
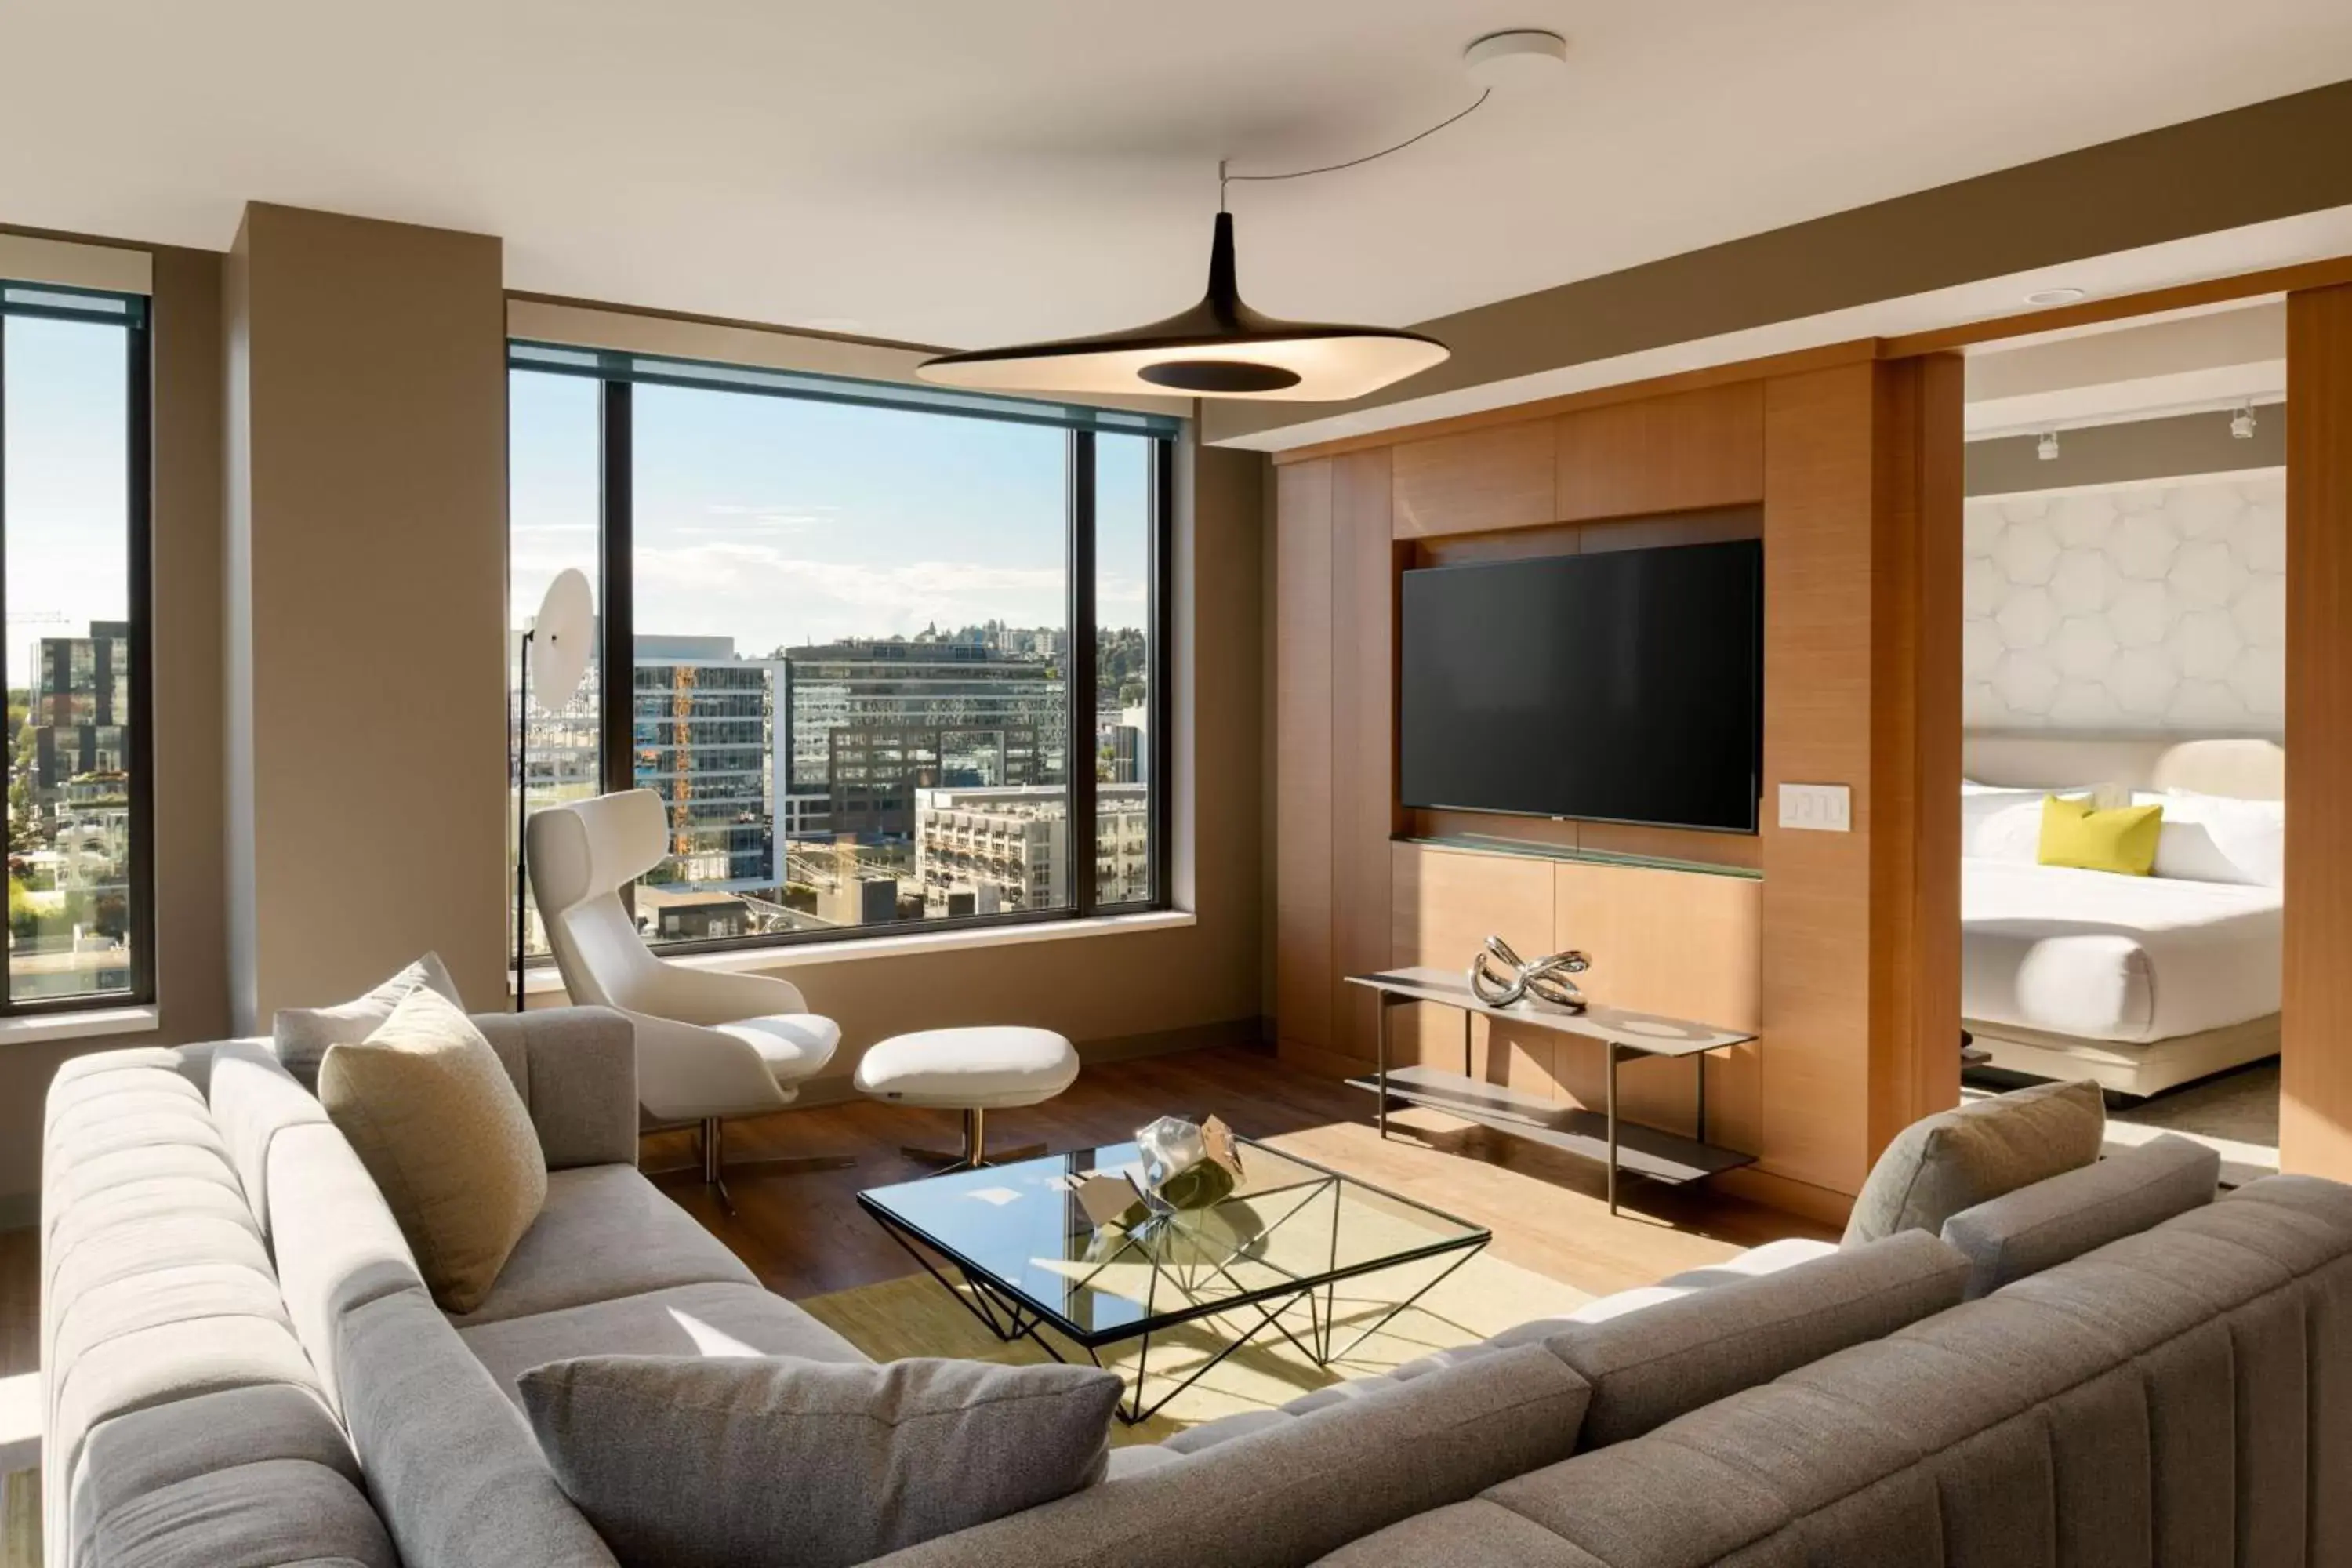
(711, 1166)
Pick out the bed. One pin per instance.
(2142, 983)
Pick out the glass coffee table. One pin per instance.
(1268, 1258)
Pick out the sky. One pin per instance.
(774, 521)
(67, 482)
(781, 523)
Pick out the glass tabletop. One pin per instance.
(1287, 1226)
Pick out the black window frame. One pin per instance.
(21, 296)
(618, 372)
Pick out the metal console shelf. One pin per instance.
(1645, 1150)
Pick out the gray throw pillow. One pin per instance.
(303, 1034)
(2050, 1222)
(688, 1462)
(1941, 1165)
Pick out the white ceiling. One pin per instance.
(965, 172)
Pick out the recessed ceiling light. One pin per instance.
(2055, 296)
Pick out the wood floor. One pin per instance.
(805, 1234)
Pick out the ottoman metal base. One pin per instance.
(975, 1151)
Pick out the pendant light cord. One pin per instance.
(1225, 179)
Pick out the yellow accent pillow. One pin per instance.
(439, 1125)
(2122, 840)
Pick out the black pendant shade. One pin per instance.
(1218, 348)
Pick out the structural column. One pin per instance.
(1862, 687)
(2315, 1061)
(365, 607)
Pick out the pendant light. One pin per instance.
(1223, 348)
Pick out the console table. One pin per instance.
(1645, 1150)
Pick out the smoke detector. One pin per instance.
(2060, 295)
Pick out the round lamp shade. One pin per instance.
(1218, 348)
(561, 640)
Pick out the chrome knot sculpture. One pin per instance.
(1498, 977)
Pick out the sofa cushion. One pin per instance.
(338, 1244)
(264, 1515)
(147, 1450)
(688, 1320)
(2051, 1221)
(1648, 1368)
(1941, 1165)
(439, 1125)
(303, 1036)
(1757, 1261)
(576, 1068)
(450, 1462)
(675, 1458)
(1287, 1494)
(1480, 1531)
(175, 1360)
(253, 1100)
(605, 1232)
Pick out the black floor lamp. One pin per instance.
(555, 649)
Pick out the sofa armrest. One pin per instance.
(576, 1068)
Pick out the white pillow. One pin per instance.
(303, 1034)
(2220, 839)
(1981, 806)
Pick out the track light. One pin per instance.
(2047, 447)
(2242, 422)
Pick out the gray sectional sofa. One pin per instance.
(243, 1371)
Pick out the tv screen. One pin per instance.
(1622, 685)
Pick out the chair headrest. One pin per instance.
(590, 847)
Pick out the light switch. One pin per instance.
(1821, 808)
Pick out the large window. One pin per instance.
(895, 655)
(73, 562)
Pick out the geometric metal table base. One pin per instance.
(1009, 1319)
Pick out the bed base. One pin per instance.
(2124, 1067)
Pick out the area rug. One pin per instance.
(915, 1316)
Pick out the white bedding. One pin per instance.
(2114, 958)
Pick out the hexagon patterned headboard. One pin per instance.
(2150, 608)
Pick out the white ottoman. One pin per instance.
(976, 1070)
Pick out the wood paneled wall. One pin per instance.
(2315, 1046)
(1844, 954)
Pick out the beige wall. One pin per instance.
(367, 568)
(185, 541)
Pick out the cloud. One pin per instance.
(765, 597)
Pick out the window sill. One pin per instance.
(32, 1028)
(542, 979)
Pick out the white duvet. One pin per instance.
(2114, 958)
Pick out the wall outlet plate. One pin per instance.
(1816, 807)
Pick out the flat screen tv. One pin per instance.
(1621, 686)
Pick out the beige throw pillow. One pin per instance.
(439, 1125)
(1941, 1165)
(303, 1034)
